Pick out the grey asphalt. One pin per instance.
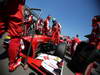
(19, 70)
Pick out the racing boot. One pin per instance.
(13, 66)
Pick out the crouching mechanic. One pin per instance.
(11, 17)
(74, 42)
(94, 39)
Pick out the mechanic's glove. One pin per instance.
(0, 36)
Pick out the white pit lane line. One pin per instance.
(62, 69)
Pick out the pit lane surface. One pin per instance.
(19, 71)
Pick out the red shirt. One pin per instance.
(76, 39)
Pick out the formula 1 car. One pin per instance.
(42, 53)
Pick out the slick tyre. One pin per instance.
(61, 50)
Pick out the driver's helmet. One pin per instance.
(54, 20)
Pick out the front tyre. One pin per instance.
(61, 50)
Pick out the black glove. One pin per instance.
(0, 36)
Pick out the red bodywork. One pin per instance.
(37, 39)
(34, 63)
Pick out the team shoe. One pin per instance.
(13, 66)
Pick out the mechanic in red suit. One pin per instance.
(95, 40)
(56, 30)
(11, 16)
(39, 26)
(95, 34)
(28, 20)
(75, 41)
(46, 25)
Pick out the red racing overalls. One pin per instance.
(46, 25)
(95, 34)
(11, 16)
